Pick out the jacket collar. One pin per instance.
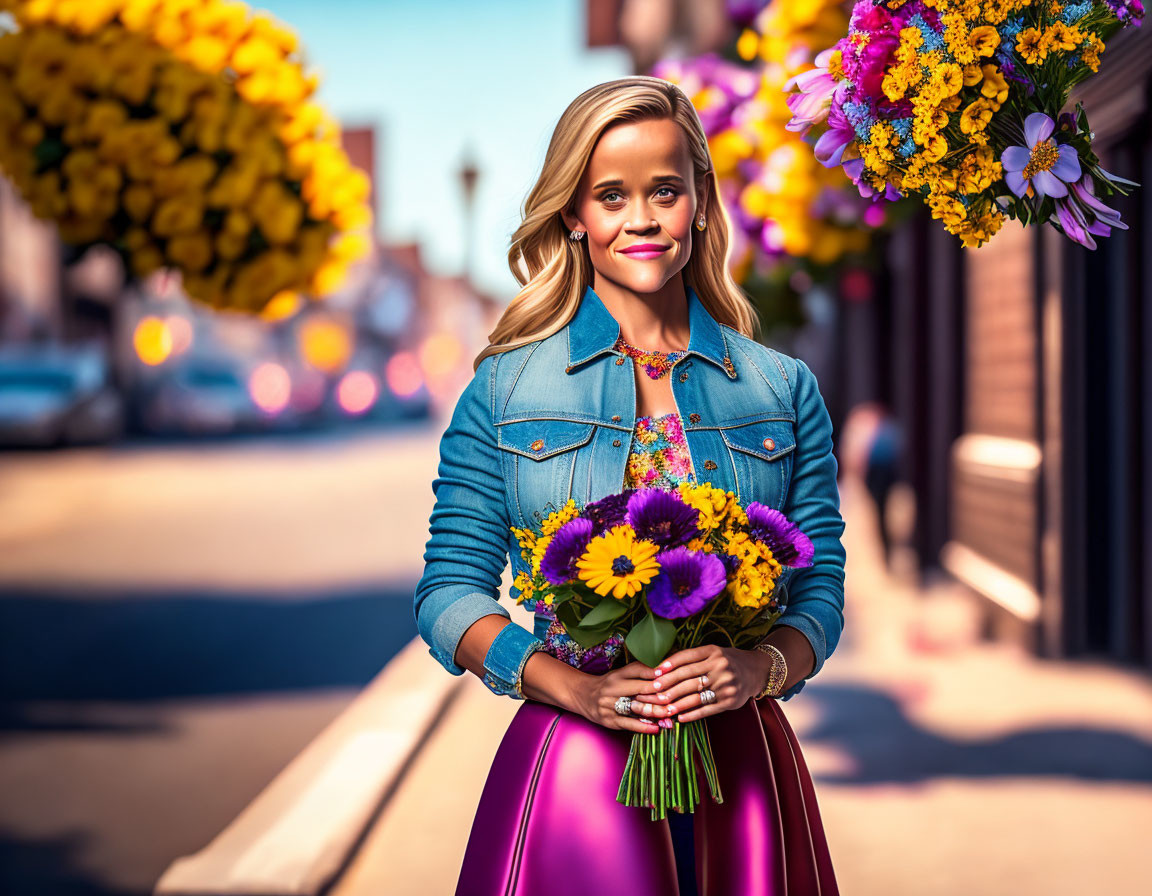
(593, 331)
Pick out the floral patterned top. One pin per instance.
(657, 458)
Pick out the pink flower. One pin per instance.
(810, 105)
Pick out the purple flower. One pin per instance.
(558, 565)
(731, 562)
(687, 581)
(854, 168)
(1081, 214)
(609, 511)
(662, 517)
(830, 147)
(1041, 164)
(1129, 12)
(788, 544)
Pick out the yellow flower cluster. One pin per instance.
(787, 36)
(755, 579)
(1034, 45)
(954, 92)
(718, 508)
(181, 132)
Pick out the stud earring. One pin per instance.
(700, 223)
(576, 235)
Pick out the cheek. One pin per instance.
(679, 223)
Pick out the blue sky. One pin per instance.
(437, 77)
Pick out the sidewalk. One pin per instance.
(944, 766)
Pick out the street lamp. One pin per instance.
(469, 173)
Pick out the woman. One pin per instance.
(627, 360)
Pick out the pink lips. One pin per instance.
(645, 250)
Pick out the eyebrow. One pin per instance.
(617, 182)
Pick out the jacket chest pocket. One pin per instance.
(540, 460)
(761, 454)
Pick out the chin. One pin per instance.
(644, 281)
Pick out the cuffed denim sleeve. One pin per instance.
(467, 548)
(815, 604)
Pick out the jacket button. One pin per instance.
(684, 377)
(538, 444)
(769, 444)
(615, 418)
(709, 465)
(619, 361)
(694, 418)
(615, 443)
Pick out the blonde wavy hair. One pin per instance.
(554, 271)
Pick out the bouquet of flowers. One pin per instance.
(184, 136)
(669, 569)
(961, 103)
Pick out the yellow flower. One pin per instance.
(984, 39)
(618, 563)
(995, 87)
(1030, 47)
(976, 116)
(523, 586)
(192, 251)
(180, 214)
(717, 506)
(558, 518)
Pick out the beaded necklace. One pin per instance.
(655, 364)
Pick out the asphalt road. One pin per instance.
(177, 621)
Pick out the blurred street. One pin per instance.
(177, 623)
(944, 766)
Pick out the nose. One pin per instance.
(646, 227)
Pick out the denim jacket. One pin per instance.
(552, 420)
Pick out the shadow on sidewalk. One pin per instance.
(62, 646)
(870, 729)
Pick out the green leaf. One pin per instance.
(569, 614)
(651, 639)
(608, 610)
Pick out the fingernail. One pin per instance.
(671, 709)
(667, 664)
(659, 671)
(658, 684)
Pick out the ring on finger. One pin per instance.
(707, 696)
(703, 681)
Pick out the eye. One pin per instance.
(607, 196)
(668, 190)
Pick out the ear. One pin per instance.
(571, 221)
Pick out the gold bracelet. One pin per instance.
(777, 674)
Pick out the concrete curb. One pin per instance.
(303, 828)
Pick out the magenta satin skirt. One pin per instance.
(548, 823)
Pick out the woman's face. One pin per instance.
(638, 201)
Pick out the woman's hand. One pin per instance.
(596, 697)
(735, 675)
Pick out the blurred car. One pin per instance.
(201, 396)
(53, 395)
